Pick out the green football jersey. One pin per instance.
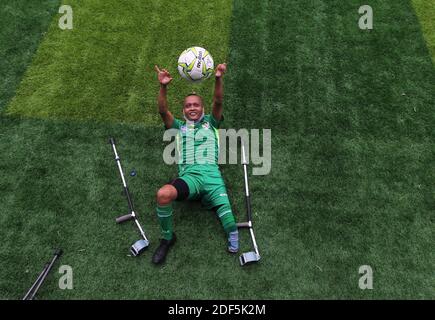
(197, 144)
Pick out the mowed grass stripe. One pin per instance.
(103, 69)
(351, 115)
(22, 26)
(426, 12)
(60, 188)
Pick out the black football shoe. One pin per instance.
(163, 249)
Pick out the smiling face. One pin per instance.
(193, 107)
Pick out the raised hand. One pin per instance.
(163, 75)
(221, 69)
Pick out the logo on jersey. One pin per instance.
(206, 125)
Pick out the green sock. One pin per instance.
(165, 219)
(228, 222)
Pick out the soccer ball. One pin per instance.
(195, 64)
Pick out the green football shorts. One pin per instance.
(209, 186)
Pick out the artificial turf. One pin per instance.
(103, 69)
(351, 184)
(425, 11)
(22, 24)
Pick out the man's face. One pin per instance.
(193, 108)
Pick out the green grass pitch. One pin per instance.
(352, 119)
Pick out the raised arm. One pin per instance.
(164, 79)
(219, 92)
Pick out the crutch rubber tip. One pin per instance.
(249, 257)
(139, 246)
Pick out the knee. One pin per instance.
(165, 195)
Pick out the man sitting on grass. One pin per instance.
(197, 180)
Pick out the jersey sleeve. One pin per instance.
(214, 122)
(176, 124)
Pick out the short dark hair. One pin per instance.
(193, 93)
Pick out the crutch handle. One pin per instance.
(122, 219)
(244, 225)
